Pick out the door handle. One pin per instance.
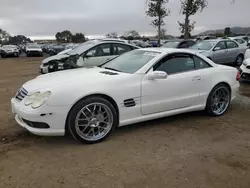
(196, 78)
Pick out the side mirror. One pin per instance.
(216, 48)
(157, 75)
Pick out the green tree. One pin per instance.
(158, 11)
(19, 39)
(4, 36)
(227, 31)
(189, 8)
(112, 35)
(78, 38)
(132, 33)
(64, 36)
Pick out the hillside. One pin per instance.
(236, 30)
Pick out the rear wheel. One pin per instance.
(239, 60)
(92, 120)
(218, 100)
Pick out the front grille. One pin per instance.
(21, 93)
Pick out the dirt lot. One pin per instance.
(190, 150)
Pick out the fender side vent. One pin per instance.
(109, 73)
(129, 102)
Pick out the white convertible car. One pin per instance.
(137, 86)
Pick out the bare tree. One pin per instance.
(158, 11)
(189, 8)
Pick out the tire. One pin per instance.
(239, 60)
(213, 101)
(92, 122)
(3, 56)
(27, 55)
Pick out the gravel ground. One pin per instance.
(190, 150)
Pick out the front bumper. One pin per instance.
(35, 53)
(53, 116)
(245, 72)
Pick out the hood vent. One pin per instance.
(109, 73)
(129, 102)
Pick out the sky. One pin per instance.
(43, 18)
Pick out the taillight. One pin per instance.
(238, 75)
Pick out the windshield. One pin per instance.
(8, 46)
(33, 46)
(171, 44)
(131, 62)
(81, 48)
(204, 45)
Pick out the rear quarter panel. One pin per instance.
(216, 75)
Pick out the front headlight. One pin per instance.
(31, 99)
(38, 99)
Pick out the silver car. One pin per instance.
(222, 51)
(88, 54)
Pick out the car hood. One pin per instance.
(82, 76)
(55, 57)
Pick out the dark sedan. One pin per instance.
(179, 43)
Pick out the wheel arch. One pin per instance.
(241, 54)
(105, 96)
(222, 82)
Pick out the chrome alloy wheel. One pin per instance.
(94, 121)
(220, 100)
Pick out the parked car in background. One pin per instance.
(178, 43)
(140, 43)
(114, 40)
(137, 86)
(9, 51)
(68, 48)
(34, 50)
(201, 38)
(239, 40)
(88, 54)
(55, 49)
(245, 69)
(247, 53)
(221, 51)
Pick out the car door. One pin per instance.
(220, 53)
(233, 49)
(179, 90)
(96, 55)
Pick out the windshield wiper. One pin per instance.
(111, 69)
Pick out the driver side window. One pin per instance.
(99, 50)
(174, 64)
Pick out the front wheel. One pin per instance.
(92, 120)
(218, 100)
